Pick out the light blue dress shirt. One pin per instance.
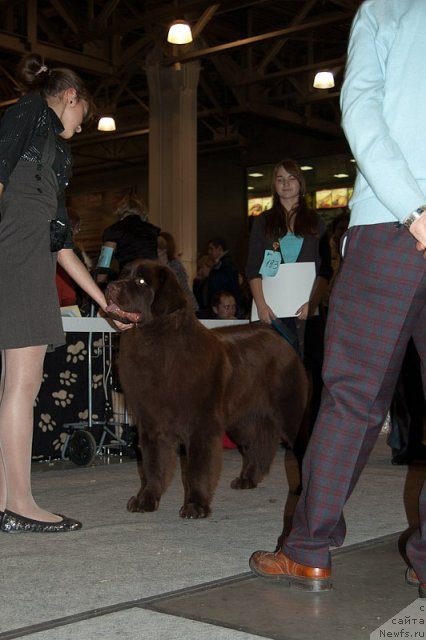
(385, 123)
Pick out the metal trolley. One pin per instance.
(115, 434)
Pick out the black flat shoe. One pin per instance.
(14, 523)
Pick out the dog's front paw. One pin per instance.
(243, 483)
(140, 505)
(192, 510)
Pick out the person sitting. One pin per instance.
(224, 306)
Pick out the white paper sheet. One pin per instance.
(288, 290)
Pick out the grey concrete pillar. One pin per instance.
(173, 153)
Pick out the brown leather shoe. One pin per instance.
(276, 566)
(412, 579)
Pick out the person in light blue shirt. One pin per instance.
(378, 300)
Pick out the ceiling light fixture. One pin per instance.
(341, 175)
(324, 80)
(106, 123)
(179, 33)
(306, 167)
(256, 174)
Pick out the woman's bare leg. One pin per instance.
(3, 492)
(21, 377)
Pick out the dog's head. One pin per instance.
(145, 290)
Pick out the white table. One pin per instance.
(100, 325)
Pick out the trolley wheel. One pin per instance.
(82, 447)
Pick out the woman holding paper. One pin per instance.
(286, 243)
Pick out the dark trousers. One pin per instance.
(408, 410)
(310, 346)
(377, 303)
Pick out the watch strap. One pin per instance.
(413, 216)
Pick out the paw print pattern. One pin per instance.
(76, 352)
(62, 398)
(46, 422)
(67, 378)
(58, 444)
(83, 416)
(98, 344)
(96, 381)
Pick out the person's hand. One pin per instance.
(421, 247)
(303, 312)
(265, 313)
(123, 326)
(418, 230)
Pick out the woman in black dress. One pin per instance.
(35, 167)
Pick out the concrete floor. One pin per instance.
(155, 576)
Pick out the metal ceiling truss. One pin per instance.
(258, 59)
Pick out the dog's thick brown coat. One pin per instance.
(188, 384)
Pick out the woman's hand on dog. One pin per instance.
(121, 326)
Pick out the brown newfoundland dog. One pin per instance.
(186, 384)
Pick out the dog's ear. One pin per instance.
(169, 296)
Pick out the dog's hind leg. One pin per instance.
(257, 440)
(203, 466)
(158, 465)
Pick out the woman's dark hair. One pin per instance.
(305, 219)
(34, 75)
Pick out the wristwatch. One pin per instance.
(413, 216)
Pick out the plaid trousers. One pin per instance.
(377, 303)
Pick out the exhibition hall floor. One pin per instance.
(156, 576)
